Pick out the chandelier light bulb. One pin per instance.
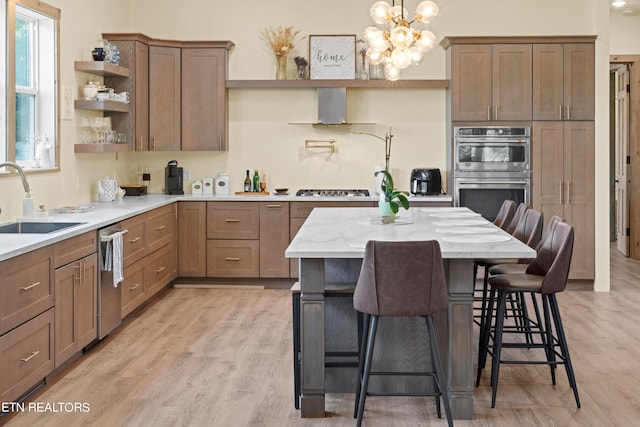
(401, 37)
(381, 12)
(426, 11)
(426, 42)
(391, 73)
(398, 12)
(401, 58)
(395, 43)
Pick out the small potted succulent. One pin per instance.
(390, 198)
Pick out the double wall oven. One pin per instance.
(491, 164)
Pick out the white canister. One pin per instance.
(196, 188)
(107, 190)
(223, 184)
(207, 186)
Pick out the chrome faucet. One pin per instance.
(23, 177)
(27, 202)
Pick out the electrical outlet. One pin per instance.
(187, 174)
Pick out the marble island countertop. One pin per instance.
(96, 215)
(343, 233)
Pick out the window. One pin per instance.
(30, 125)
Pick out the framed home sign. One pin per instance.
(332, 57)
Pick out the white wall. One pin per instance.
(260, 136)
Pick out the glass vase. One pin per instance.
(281, 71)
(302, 73)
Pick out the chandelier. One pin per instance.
(397, 45)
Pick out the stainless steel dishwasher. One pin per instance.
(109, 296)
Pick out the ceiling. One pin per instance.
(632, 8)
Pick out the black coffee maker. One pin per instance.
(173, 178)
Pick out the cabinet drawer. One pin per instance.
(303, 209)
(132, 288)
(27, 356)
(158, 271)
(133, 243)
(158, 228)
(233, 220)
(75, 248)
(233, 258)
(26, 289)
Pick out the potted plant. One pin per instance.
(390, 198)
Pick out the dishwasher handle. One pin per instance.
(109, 237)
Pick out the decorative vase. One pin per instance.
(281, 71)
(385, 210)
(302, 73)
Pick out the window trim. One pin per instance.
(54, 13)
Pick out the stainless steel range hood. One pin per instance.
(332, 106)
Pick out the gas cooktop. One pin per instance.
(332, 193)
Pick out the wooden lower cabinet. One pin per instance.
(134, 242)
(192, 239)
(132, 288)
(158, 270)
(274, 239)
(27, 287)
(27, 356)
(76, 300)
(233, 258)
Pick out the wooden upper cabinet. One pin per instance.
(511, 82)
(564, 81)
(164, 98)
(470, 82)
(135, 125)
(490, 82)
(579, 81)
(204, 112)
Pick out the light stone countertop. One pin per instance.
(343, 233)
(104, 214)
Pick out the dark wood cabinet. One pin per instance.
(165, 94)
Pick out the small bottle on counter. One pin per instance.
(247, 183)
(256, 182)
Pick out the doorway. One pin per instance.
(624, 132)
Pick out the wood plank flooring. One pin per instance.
(222, 357)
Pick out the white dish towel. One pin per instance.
(116, 247)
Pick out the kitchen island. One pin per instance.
(330, 246)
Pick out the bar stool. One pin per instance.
(400, 279)
(546, 275)
(332, 290)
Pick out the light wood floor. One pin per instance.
(223, 358)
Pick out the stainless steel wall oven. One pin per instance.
(491, 164)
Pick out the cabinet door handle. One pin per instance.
(153, 143)
(232, 220)
(160, 228)
(274, 206)
(78, 275)
(496, 116)
(560, 111)
(561, 191)
(488, 112)
(232, 259)
(31, 356)
(568, 192)
(135, 239)
(31, 286)
(161, 269)
(568, 112)
(141, 143)
(134, 287)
